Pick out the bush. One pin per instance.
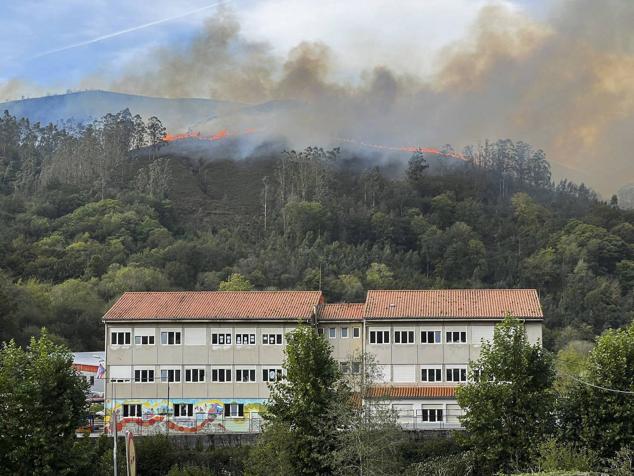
(622, 464)
(454, 465)
(555, 456)
(190, 471)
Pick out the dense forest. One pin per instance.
(87, 212)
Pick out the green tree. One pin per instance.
(306, 412)
(602, 419)
(508, 406)
(379, 276)
(42, 403)
(236, 282)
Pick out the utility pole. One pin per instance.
(167, 416)
(114, 416)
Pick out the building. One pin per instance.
(87, 364)
(202, 361)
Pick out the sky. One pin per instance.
(51, 45)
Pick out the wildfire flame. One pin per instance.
(409, 149)
(224, 133)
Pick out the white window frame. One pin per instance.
(346, 331)
(178, 335)
(177, 372)
(437, 369)
(409, 333)
(123, 333)
(434, 332)
(452, 369)
(234, 410)
(251, 373)
(250, 335)
(138, 408)
(450, 334)
(188, 407)
(279, 373)
(332, 333)
(356, 330)
(375, 332)
(198, 370)
(141, 333)
(427, 412)
(226, 371)
(120, 373)
(221, 335)
(277, 336)
(142, 369)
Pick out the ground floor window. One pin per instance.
(431, 375)
(234, 410)
(432, 415)
(183, 409)
(132, 410)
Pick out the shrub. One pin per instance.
(555, 456)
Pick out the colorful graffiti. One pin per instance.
(157, 416)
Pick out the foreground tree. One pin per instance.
(42, 403)
(598, 410)
(509, 405)
(373, 442)
(307, 411)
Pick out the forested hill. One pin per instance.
(89, 213)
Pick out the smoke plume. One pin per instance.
(564, 85)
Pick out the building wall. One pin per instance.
(399, 363)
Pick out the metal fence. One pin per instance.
(202, 424)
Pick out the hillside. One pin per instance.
(84, 217)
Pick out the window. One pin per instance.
(379, 337)
(144, 340)
(271, 375)
(272, 339)
(403, 337)
(170, 375)
(221, 375)
(132, 410)
(332, 332)
(91, 380)
(245, 375)
(356, 332)
(456, 337)
(221, 339)
(430, 337)
(344, 332)
(456, 374)
(428, 374)
(245, 339)
(194, 375)
(144, 375)
(234, 410)
(170, 337)
(183, 409)
(120, 338)
(345, 367)
(320, 331)
(432, 415)
(356, 367)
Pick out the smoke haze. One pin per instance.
(565, 85)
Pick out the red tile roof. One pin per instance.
(215, 305)
(419, 391)
(453, 303)
(341, 312)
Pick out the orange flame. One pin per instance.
(224, 133)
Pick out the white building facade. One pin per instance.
(190, 362)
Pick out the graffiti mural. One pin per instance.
(208, 416)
